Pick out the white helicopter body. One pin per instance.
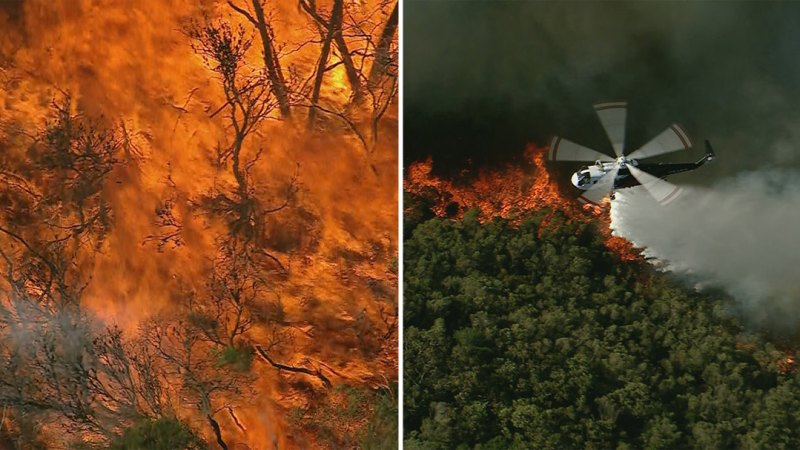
(607, 175)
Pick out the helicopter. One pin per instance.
(607, 175)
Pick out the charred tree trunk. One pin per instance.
(382, 59)
(347, 59)
(349, 67)
(271, 61)
(334, 26)
(241, 179)
(381, 110)
(217, 432)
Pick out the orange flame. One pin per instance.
(130, 62)
(787, 365)
(510, 193)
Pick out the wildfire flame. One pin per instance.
(511, 193)
(131, 64)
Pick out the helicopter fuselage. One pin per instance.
(588, 176)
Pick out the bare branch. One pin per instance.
(315, 373)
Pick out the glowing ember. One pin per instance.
(787, 365)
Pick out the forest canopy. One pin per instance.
(537, 336)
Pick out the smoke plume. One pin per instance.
(739, 235)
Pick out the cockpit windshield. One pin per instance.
(583, 177)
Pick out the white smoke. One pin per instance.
(741, 235)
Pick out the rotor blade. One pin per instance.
(670, 140)
(612, 116)
(565, 150)
(663, 191)
(599, 191)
